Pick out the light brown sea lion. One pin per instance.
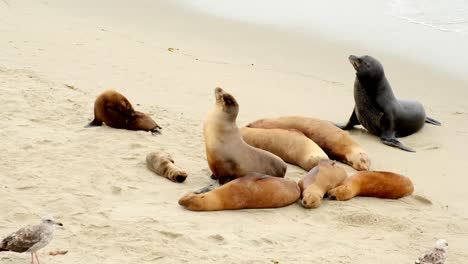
(116, 111)
(162, 164)
(334, 141)
(318, 181)
(378, 184)
(229, 157)
(254, 190)
(291, 146)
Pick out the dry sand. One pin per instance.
(56, 56)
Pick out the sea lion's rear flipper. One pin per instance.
(207, 188)
(353, 121)
(396, 143)
(94, 123)
(432, 121)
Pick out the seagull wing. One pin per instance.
(21, 240)
(432, 256)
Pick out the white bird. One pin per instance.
(31, 238)
(437, 255)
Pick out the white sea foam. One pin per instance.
(444, 15)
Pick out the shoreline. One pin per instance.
(390, 32)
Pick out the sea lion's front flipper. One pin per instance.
(207, 188)
(156, 131)
(353, 121)
(432, 121)
(396, 143)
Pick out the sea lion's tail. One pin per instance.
(432, 121)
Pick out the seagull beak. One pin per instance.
(59, 224)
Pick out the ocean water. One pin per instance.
(443, 15)
(428, 31)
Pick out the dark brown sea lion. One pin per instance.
(229, 157)
(113, 109)
(378, 110)
(251, 191)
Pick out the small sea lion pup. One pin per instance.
(291, 146)
(337, 143)
(162, 164)
(115, 110)
(380, 184)
(378, 110)
(254, 190)
(229, 157)
(318, 181)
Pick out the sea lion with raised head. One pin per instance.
(378, 110)
(337, 143)
(291, 146)
(380, 184)
(318, 181)
(229, 157)
(113, 109)
(163, 164)
(254, 190)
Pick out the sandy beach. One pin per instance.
(57, 56)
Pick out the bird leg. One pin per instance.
(35, 253)
(32, 258)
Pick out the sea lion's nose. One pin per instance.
(352, 58)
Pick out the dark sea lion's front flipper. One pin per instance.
(207, 188)
(432, 121)
(353, 121)
(392, 141)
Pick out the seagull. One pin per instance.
(437, 255)
(31, 238)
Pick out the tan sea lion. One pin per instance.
(229, 157)
(254, 190)
(378, 184)
(334, 141)
(318, 181)
(162, 164)
(291, 146)
(116, 111)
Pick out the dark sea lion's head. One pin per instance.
(367, 67)
(227, 102)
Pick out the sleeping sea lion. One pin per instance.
(318, 181)
(113, 109)
(163, 164)
(254, 190)
(380, 184)
(337, 143)
(291, 146)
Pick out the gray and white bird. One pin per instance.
(437, 255)
(31, 238)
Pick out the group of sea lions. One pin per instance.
(249, 162)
